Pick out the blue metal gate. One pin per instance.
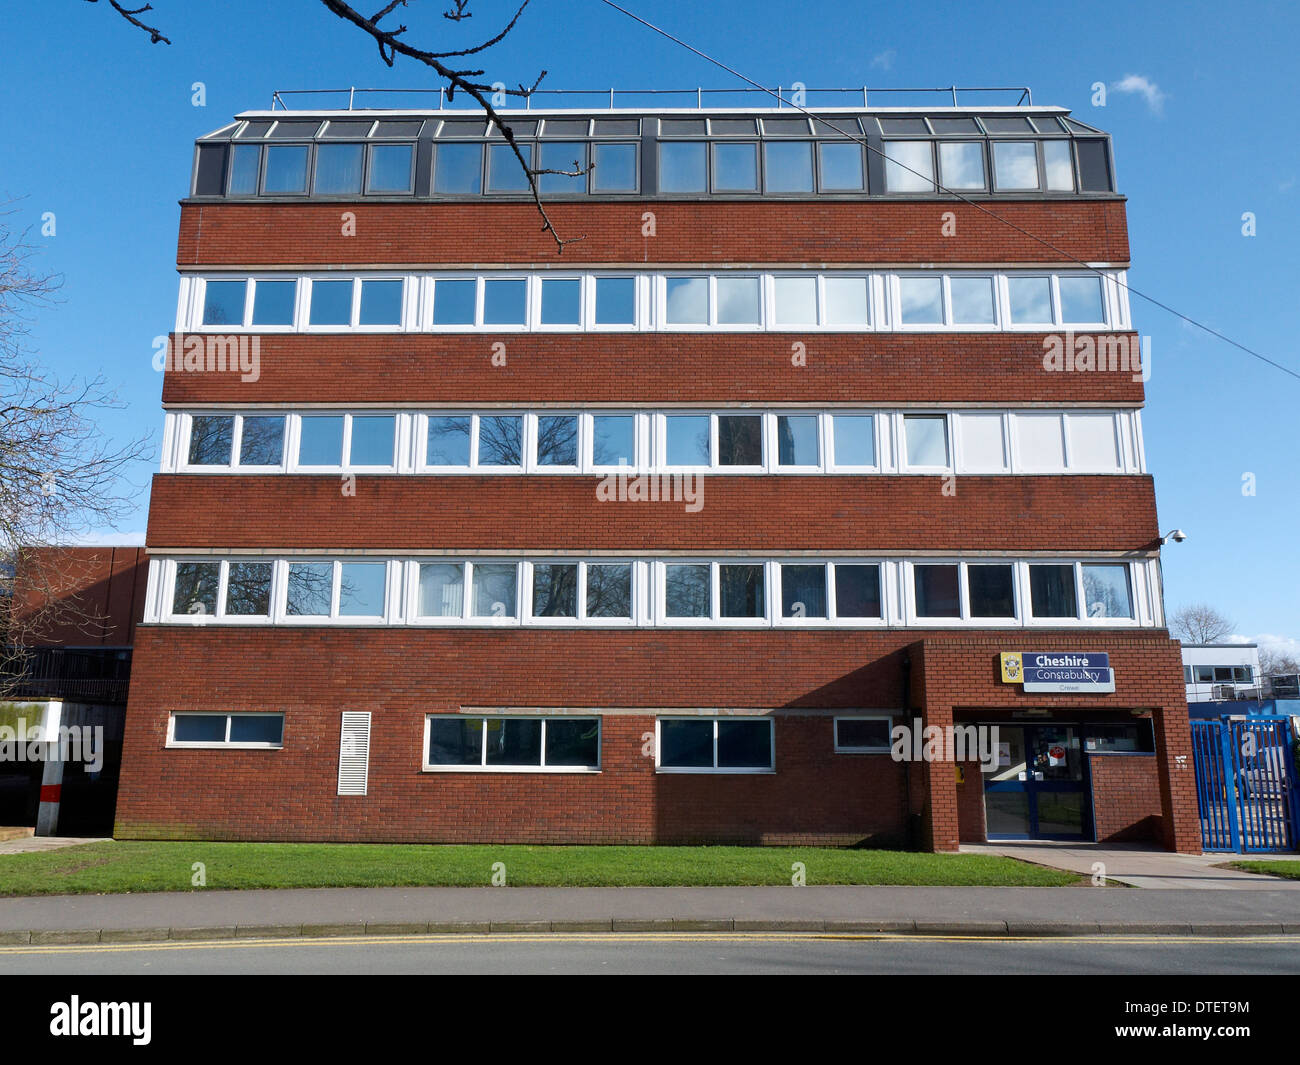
(1246, 785)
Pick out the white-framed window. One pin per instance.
(733, 745)
(572, 441)
(243, 731)
(503, 743)
(729, 441)
(561, 301)
(695, 592)
(355, 591)
(972, 591)
(478, 591)
(253, 441)
(330, 440)
(863, 733)
(941, 593)
(818, 592)
(925, 442)
(1067, 592)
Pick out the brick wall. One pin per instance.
(740, 513)
(673, 369)
(311, 676)
(79, 596)
(705, 232)
(1125, 797)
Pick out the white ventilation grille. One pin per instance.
(354, 753)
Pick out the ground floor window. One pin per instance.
(715, 745)
(519, 744)
(225, 730)
(854, 735)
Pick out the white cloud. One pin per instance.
(884, 60)
(1271, 641)
(1144, 87)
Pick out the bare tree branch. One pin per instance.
(1199, 623)
(155, 35)
(60, 476)
(390, 46)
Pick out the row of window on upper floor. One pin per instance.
(726, 441)
(734, 592)
(1026, 165)
(1029, 300)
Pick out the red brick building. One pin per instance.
(679, 535)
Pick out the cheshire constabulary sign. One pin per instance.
(1060, 672)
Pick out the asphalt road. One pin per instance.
(672, 954)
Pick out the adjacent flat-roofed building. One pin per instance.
(657, 540)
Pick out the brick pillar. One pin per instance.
(1179, 812)
(940, 819)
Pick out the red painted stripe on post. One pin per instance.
(51, 792)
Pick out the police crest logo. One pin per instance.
(1012, 663)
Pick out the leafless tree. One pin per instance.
(1276, 664)
(60, 476)
(1199, 623)
(389, 36)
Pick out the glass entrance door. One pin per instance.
(1037, 790)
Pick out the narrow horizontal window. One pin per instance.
(715, 744)
(870, 734)
(227, 730)
(512, 743)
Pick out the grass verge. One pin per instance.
(1285, 868)
(113, 866)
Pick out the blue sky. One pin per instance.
(98, 125)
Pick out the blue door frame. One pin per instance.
(1033, 788)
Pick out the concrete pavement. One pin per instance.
(1141, 866)
(208, 914)
(30, 844)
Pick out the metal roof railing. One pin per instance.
(1023, 95)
